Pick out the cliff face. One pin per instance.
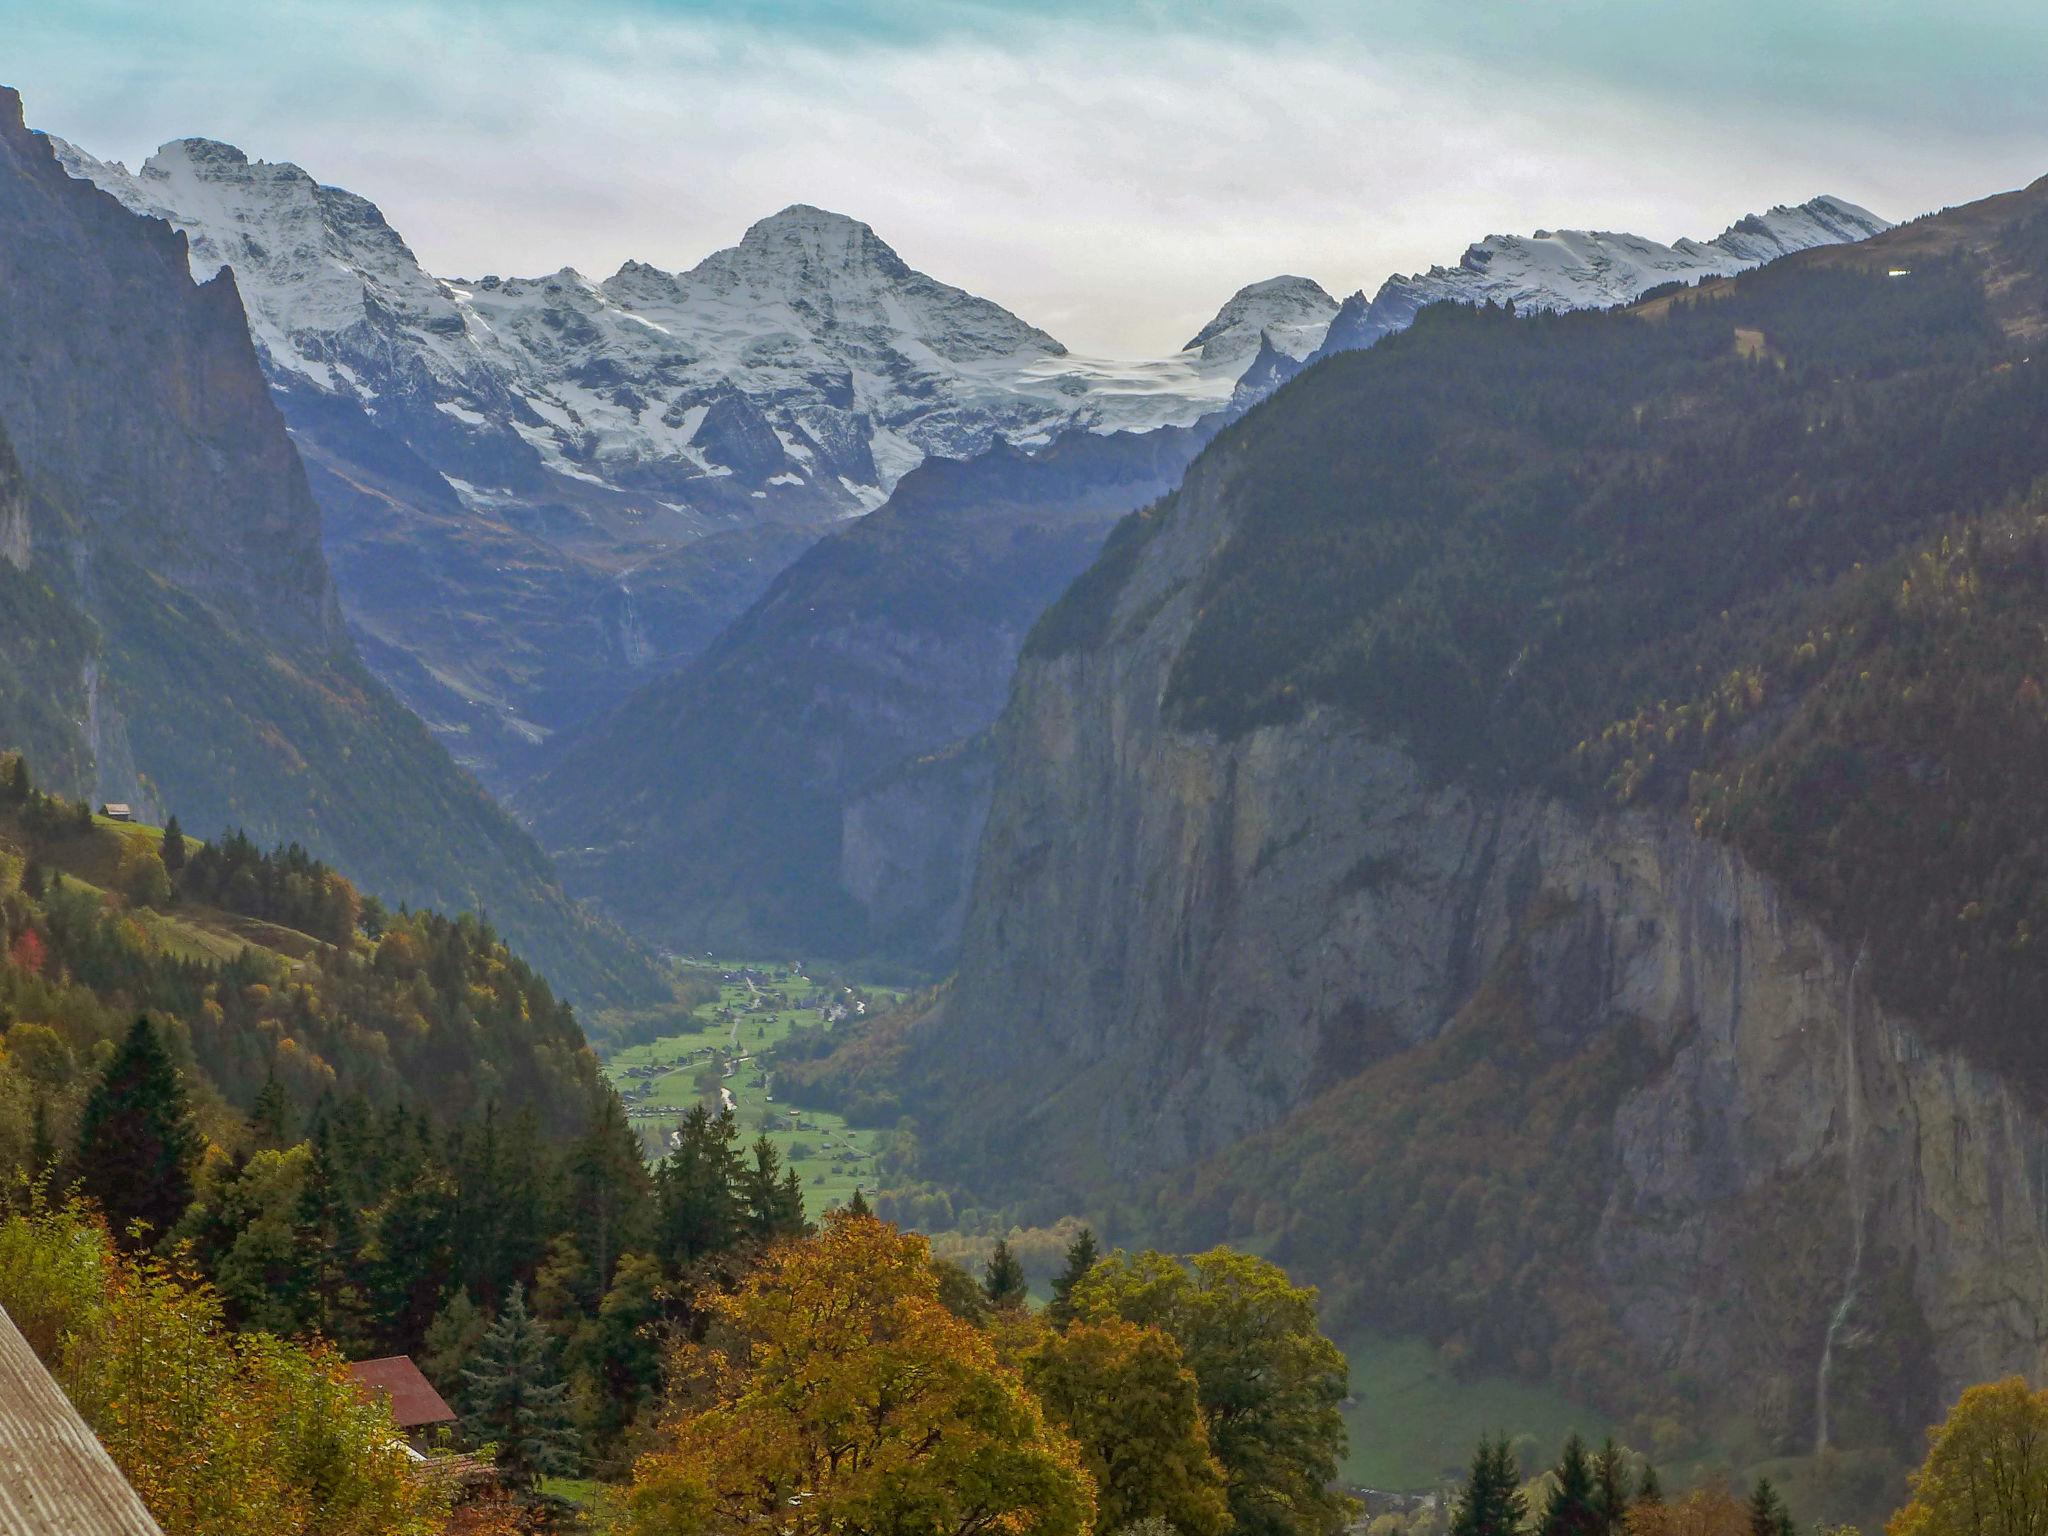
(1203, 960)
(169, 634)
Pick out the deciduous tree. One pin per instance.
(834, 1393)
(1271, 1385)
(1130, 1402)
(1986, 1472)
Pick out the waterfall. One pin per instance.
(1852, 1170)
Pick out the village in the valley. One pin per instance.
(726, 1060)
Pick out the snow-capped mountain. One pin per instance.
(808, 366)
(1592, 269)
(538, 491)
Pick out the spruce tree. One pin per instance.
(173, 851)
(1081, 1256)
(858, 1205)
(1768, 1515)
(327, 1241)
(1002, 1278)
(1491, 1502)
(1570, 1510)
(19, 785)
(272, 1118)
(514, 1398)
(136, 1143)
(697, 1190)
(1649, 1490)
(767, 1193)
(610, 1194)
(1610, 1489)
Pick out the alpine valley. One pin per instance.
(1514, 797)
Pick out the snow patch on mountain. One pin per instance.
(1592, 269)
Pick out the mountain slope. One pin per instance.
(1300, 893)
(172, 636)
(889, 640)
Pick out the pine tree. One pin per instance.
(327, 1240)
(272, 1118)
(609, 1191)
(1649, 1490)
(1081, 1256)
(1491, 1502)
(173, 851)
(136, 1143)
(1768, 1515)
(1002, 1278)
(19, 785)
(1610, 1489)
(858, 1205)
(697, 1190)
(515, 1399)
(1570, 1511)
(34, 883)
(42, 1150)
(774, 1202)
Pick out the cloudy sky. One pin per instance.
(1111, 171)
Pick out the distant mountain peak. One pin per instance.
(1292, 312)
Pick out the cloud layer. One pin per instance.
(1110, 172)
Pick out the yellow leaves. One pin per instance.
(1986, 1472)
(1703, 1512)
(840, 1394)
(222, 1435)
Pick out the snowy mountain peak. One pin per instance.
(1593, 269)
(1293, 312)
(817, 240)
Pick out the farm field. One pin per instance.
(727, 1049)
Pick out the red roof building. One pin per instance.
(414, 1402)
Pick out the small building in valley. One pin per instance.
(415, 1406)
(114, 810)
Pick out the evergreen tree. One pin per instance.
(858, 1205)
(1081, 1256)
(1768, 1515)
(34, 883)
(1491, 1502)
(1649, 1490)
(514, 1398)
(42, 1151)
(410, 1259)
(609, 1190)
(327, 1240)
(1570, 1510)
(1002, 1278)
(697, 1189)
(273, 1121)
(1610, 1489)
(19, 785)
(173, 851)
(774, 1202)
(136, 1143)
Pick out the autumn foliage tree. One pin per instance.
(1131, 1404)
(834, 1392)
(1986, 1472)
(1270, 1384)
